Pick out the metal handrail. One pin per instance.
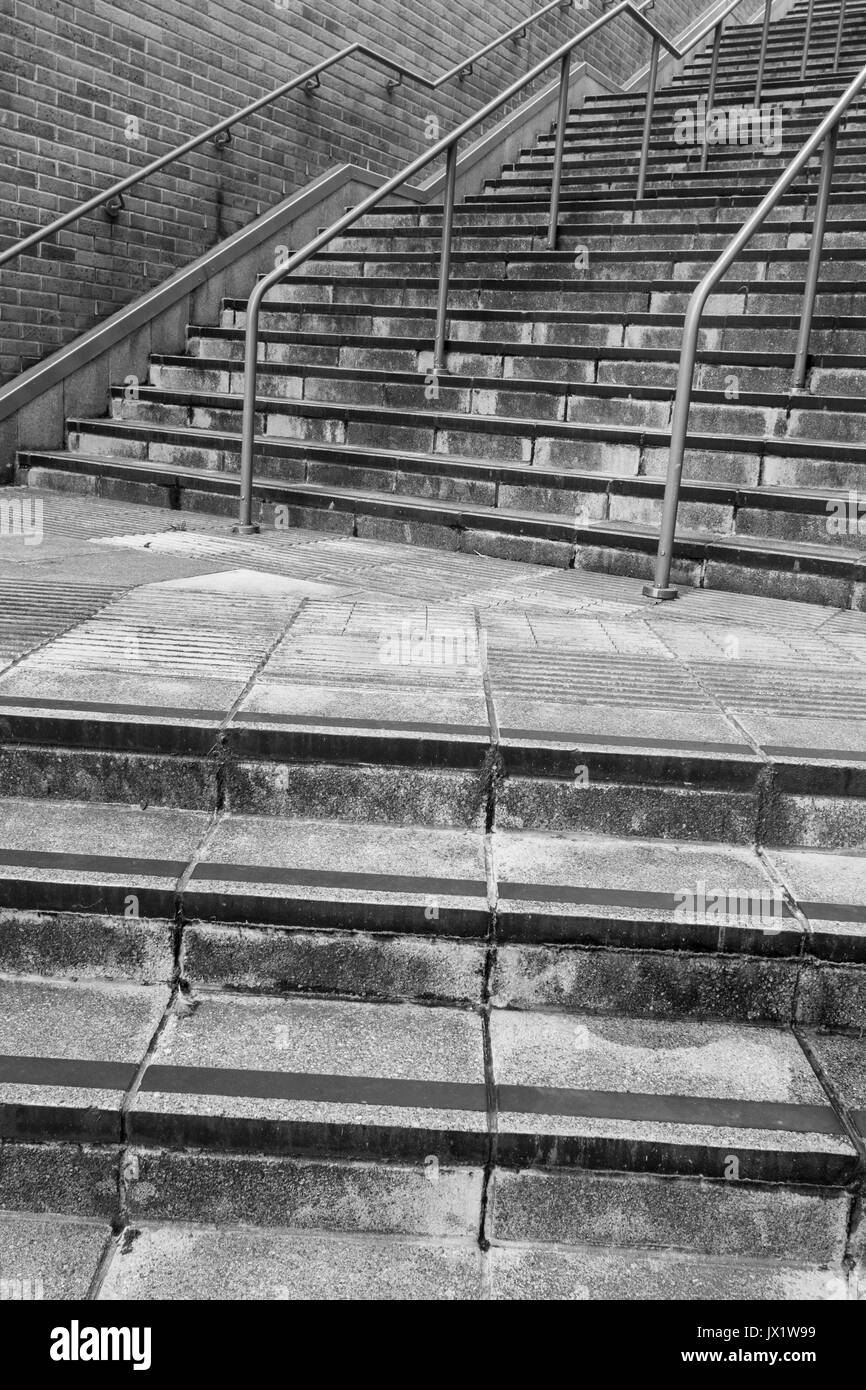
(448, 146)
(661, 588)
(221, 132)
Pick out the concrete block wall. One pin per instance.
(89, 92)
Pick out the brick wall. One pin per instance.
(93, 91)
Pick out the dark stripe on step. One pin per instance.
(627, 897)
(97, 707)
(835, 912)
(393, 726)
(91, 863)
(325, 878)
(217, 716)
(406, 884)
(58, 1071)
(840, 755)
(580, 740)
(408, 1093)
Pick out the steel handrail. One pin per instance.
(448, 146)
(661, 588)
(221, 132)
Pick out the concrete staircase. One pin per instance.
(547, 438)
(414, 979)
(538, 970)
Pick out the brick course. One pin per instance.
(72, 77)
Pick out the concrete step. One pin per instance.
(498, 223)
(490, 366)
(139, 1110)
(843, 297)
(248, 1078)
(833, 333)
(328, 400)
(349, 909)
(831, 373)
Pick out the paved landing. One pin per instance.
(292, 630)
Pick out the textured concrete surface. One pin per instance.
(182, 1263)
(626, 1059)
(160, 682)
(299, 1040)
(83, 1027)
(48, 1257)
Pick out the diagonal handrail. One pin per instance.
(310, 78)
(448, 146)
(661, 587)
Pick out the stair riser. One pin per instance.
(722, 1218)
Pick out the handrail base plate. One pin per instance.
(651, 591)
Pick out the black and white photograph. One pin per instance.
(433, 671)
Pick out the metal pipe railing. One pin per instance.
(762, 56)
(813, 269)
(661, 587)
(648, 119)
(448, 146)
(711, 89)
(839, 28)
(807, 39)
(556, 177)
(221, 132)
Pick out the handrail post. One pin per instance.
(648, 118)
(661, 587)
(839, 29)
(762, 56)
(807, 39)
(439, 351)
(711, 89)
(561, 122)
(245, 525)
(819, 222)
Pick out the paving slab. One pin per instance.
(95, 859)
(830, 890)
(628, 892)
(297, 1075)
(54, 1258)
(821, 736)
(679, 1096)
(616, 725)
(314, 873)
(182, 1262)
(69, 1054)
(842, 1061)
(548, 1273)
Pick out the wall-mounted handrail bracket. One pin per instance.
(114, 207)
(312, 83)
(222, 139)
(394, 82)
